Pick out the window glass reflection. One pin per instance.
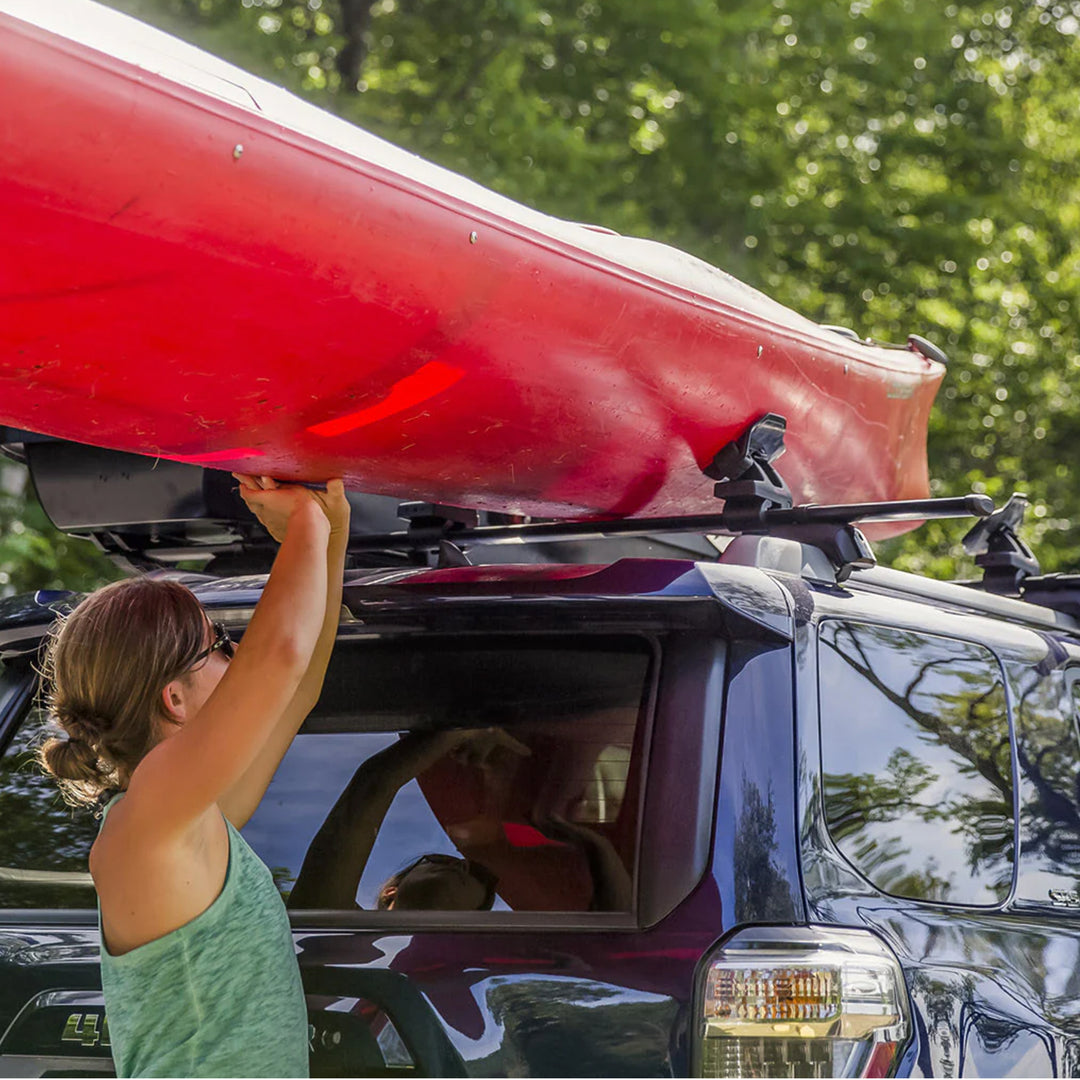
(464, 774)
(916, 762)
(1048, 753)
(44, 843)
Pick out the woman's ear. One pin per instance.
(172, 700)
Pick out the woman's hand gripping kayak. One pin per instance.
(274, 515)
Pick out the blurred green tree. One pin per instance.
(33, 554)
(891, 166)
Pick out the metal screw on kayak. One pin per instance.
(760, 350)
(237, 150)
(473, 238)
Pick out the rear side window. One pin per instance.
(1048, 754)
(464, 774)
(916, 762)
(438, 774)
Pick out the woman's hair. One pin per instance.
(444, 890)
(105, 667)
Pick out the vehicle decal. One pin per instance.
(83, 1028)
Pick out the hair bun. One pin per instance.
(80, 726)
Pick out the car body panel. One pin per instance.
(993, 989)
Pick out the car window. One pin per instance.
(1048, 752)
(917, 762)
(494, 772)
(464, 774)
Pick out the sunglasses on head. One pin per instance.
(221, 641)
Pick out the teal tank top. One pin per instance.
(220, 995)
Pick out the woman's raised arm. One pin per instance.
(187, 772)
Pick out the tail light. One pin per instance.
(801, 1001)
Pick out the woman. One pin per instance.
(197, 960)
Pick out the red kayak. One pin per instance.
(198, 265)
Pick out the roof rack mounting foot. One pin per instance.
(450, 555)
(1005, 558)
(843, 545)
(754, 494)
(748, 483)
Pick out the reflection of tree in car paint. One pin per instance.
(763, 890)
(917, 762)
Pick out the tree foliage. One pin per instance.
(35, 555)
(891, 166)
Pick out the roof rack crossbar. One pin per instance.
(772, 521)
(756, 501)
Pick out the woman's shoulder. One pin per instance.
(150, 884)
(113, 838)
(128, 841)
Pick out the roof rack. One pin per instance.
(756, 501)
(150, 513)
(1009, 566)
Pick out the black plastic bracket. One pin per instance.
(425, 515)
(1005, 559)
(747, 481)
(432, 524)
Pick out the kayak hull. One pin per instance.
(197, 278)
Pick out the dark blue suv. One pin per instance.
(764, 813)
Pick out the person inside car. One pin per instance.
(339, 852)
(181, 731)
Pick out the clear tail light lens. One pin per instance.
(802, 1001)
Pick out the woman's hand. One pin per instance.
(273, 503)
(335, 506)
